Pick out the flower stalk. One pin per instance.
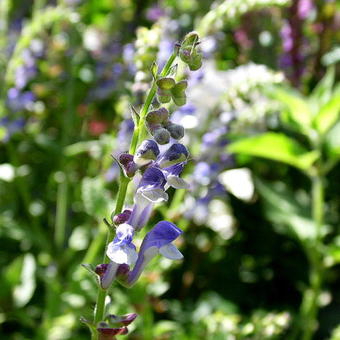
(139, 131)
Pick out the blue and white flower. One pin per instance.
(157, 241)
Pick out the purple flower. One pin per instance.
(204, 172)
(214, 138)
(107, 273)
(157, 241)
(11, 126)
(154, 13)
(18, 101)
(150, 191)
(304, 8)
(121, 249)
(172, 176)
(177, 153)
(166, 47)
(125, 134)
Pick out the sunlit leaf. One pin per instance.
(328, 114)
(297, 108)
(332, 142)
(275, 146)
(322, 92)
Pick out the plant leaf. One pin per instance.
(328, 114)
(275, 146)
(298, 109)
(322, 92)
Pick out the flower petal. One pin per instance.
(177, 182)
(171, 252)
(155, 195)
(120, 254)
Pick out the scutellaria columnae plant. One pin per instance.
(158, 171)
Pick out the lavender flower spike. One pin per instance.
(150, 191)
(121, 249)
(157, 241)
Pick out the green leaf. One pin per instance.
(287, 213)
(298, 109)
(322, 92)
(154, 70)
(328, 114)
(275, 146)
(134, 115)
(332, 142)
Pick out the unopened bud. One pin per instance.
(188, 51)
(130, 169)
(178, 93)
(146, 152)
(125, 159)
(158, 116)
(122, 217)
(164, 96)
(176, 130)
(166, 83)
(162, 136)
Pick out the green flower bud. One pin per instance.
(178, 93)
(180, 101)
(196, 62)
(162, 136)
(158, 116)
(166, 83)
(188, 51)
(190, 39)
(164, 96)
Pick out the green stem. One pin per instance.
(124, 182)
(148, 101)
(100, 305)
(310, 300)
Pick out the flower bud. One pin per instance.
(122, 217)
(162, 136)
(130, 169)
(188, 51)
(125, 159)
(166, 83)
(164, 96)
(196, 62)
(176, 130)
(158, 116)
(178, 93)
(146, 152)
(101, 269)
